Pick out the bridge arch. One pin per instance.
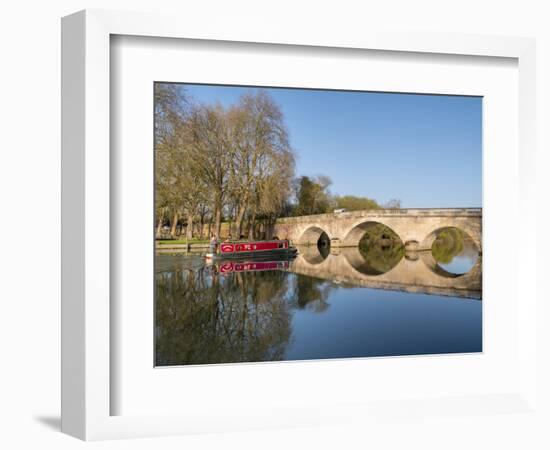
(466, 246)
(312, 235)
(358, 230)
(429, 240)
(415, 227)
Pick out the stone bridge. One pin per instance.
(417, 228)
(416, 272)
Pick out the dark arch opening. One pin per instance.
(323, 245)
(316, 245)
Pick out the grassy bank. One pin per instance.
(181, 241)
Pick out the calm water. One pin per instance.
(323, 304)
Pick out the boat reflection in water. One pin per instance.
(251, 266)
(325, 303)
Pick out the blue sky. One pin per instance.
(425, 150)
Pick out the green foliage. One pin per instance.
(448, 244)
(381, 249)
(355, 203)
(376, 233)
(313, 196)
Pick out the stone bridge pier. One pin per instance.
(417, 228)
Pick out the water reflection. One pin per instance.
(205, 317)
(420, 273)
(316, 306)
(315, 254)
(454, 251)
(452, 254)
(380, 248)
(310, 293)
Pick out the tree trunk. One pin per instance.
(239, 221)
(252, 224)
(218, 219)
(174, 225)
(201, 226)
(189, 230)
(159, 225)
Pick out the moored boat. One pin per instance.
(279, 249)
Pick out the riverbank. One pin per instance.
(180, 241)
(177, 246)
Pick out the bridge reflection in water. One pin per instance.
(377, 300)
(417, 272)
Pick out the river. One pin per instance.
(326, 303)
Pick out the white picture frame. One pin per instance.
(86, 218)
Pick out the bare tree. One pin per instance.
(211, 155)
(171, 106)
(392, 204)
(211, 160)
(261, 150)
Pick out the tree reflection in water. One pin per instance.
(203, 317)
(381, 248)
(454, 250)
(448, 244)
(311, 293)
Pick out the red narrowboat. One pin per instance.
(253, 249)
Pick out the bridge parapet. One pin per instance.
(407, 212)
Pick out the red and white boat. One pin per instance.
(253, 250)
(252, 266)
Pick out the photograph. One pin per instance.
(295, 224)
